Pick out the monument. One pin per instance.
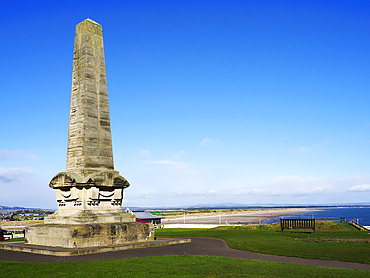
(89, 192)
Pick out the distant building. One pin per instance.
(147, 216)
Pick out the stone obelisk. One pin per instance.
(90, 181)
(89, 192)
(89, 136)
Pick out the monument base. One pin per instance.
(63, 252)
(88, 235)
(90, 216)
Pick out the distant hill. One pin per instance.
(248, 206)
(7, 209)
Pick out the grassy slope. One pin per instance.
(269, 240)
(172, 266)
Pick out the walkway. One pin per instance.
(198, 246)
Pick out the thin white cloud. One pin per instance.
(287, 190)
(139, 196)
(207, 142)
(16, 154)
(359, 188)
(312, 190)
(13, 174)
(181, 170)
(208, 193)
(323, 143)
(293, 179)
(6, 154)
(302, 185)
(32, 157)
(180, 186)
(302, 150)
(179, 154)
(166, 162)
(313, 148)
(250, 191)
(144, 152)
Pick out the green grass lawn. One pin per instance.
(172, 266)
(259, 238)
(268, 239)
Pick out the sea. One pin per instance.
(361, 215)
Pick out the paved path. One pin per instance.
(198, 246)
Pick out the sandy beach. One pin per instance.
(223, 217)
(252, 216)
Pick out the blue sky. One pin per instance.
(253, 102)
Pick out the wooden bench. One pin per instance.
(300, 223)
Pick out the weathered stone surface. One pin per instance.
(90, 216)
(90, 181)
(19, 246)
(89, 137)
(98, 190)
(90, 192)
(88, 235)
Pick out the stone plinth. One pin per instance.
(86, 228)
(89, 217)
(88, 235)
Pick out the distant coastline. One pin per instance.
(359, 214)
(214, 206)
(247, 216)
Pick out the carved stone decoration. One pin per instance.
(99, 189)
